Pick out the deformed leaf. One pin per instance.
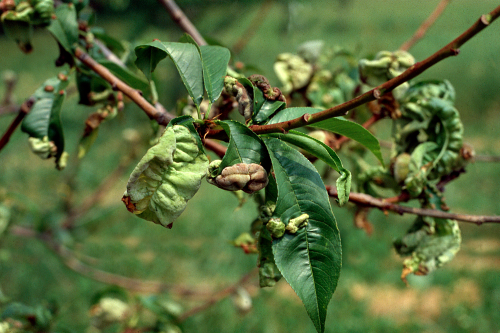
(166, 177)
(309, 259)
(44, 120)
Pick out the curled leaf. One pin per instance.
(246, 177)
(166, 177)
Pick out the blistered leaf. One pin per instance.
(65, 26)
(186, 59)
(44, 119)
(309, 259)
(166, 177)
(17, 27)
(337, 125)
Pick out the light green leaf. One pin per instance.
(244, 146)
(64, 27)
(17, 27)
(310, 259)
(326, 154)
(185, 57)
(44, 119)
(166, 177)
(337, 125)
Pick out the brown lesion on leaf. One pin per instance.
(128, 203)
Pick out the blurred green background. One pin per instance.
(463, 296)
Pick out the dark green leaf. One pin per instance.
(310, 260)
(266, 110)
(44, 119)
(244, 146)
(337, 125)
(64, 27)
(127, 76)
(214, 60)
(185, 57)
(326, 154)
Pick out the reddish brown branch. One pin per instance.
(425, 25)
(366, 200)
(182, 20)
(23, 111)
(449, 50)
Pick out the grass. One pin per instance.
(463, 296)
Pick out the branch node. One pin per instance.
(486, 19)
(455, 52)
(377, 93)
(307, 117)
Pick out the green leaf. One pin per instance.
(326, 154)
(337, 125)
(266, 110)
(44, 119)
(127, 76)
(244, 146)
(166, 177)
(185, 57)
(309, 260)
(215, 60)
(64, 27)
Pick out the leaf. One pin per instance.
(166, 177)
(127, 76)
(215, 60)
(266, 110)
(309, 260)
(244, 146)
(17, 27)
(44, 119)
(337, 125)
(186, 59)
(326, 154)
(64, 27)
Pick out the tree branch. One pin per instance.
(449, 50)
(182, 20)
(69, 259)
(135, 95)
(366, 200)
(23, 111)
(219, 296)
(425, 25)
(264, 9)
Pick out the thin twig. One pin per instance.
(425, 25)
(219, 296)
(182, 20)
(366, 200)
(136, 285)
(264, 9)
(449, 50)
(116, 83)
(485, 158)
(23, 111)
